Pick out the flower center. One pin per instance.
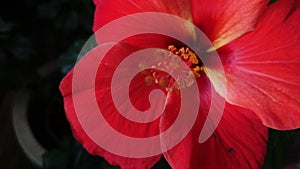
(189, 57)
(184, 79)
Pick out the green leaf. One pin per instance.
(280, 144)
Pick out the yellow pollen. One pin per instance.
(149, 80)
(181, 50)
(185, 79)
(185, 56)
(196, 71)
(193, 58)
(172, 48)
(164, 82)
(154, 74)
(187, 50)
(185, 53)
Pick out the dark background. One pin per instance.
(39, 44)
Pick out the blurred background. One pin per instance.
(39, 43)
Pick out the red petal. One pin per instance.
(139, 93)
(82, 137)
(106, 105)
(107, 11)
(239, 141)
(262, 68)
(226, 20)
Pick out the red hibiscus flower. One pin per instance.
(258, 47)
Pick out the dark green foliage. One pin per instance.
(283, 149)
(71, 155)
(272, 1)
(34, 33)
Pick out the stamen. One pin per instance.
(185, 78)
(149, 80)
(196, 71)
(189, 57)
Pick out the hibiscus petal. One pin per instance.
(226, 20)
(107, 11)
(239, 141)
(138, 91)
(81, 136)
(102, 80)
(262, 68)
